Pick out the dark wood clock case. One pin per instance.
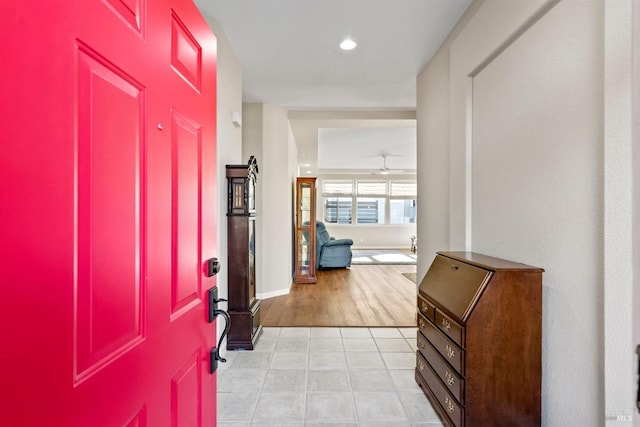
(244, 307)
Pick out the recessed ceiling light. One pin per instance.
(306, 165)
(308, 171)
(348, 44)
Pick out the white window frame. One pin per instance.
(354, 194)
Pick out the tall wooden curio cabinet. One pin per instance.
(244, 307)
(305, 255)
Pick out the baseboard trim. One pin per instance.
(381, 248)
(279, 292)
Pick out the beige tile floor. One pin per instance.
(324, 377)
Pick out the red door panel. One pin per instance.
(107, 162)
(185, 178)
(130, 11)
(186, 398)
(139, 420)
(186, 53)
(108, 308)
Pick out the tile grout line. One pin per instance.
(271, 356)
(347, 373)
(306, 382)
(397, 391)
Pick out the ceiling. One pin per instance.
(290, 58)
(290, 55)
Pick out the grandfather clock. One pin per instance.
(244, 307)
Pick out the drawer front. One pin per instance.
(448, 403)
(445, 346)
(448, 375)
(427, 309)
(450, 327)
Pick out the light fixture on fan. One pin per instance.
(384, 170)
(348, 44)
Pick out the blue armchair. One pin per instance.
(329, 251)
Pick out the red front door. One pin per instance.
(107, 213)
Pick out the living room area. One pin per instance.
(359, 195)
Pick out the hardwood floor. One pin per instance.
(363, 295)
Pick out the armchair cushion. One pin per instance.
(334, 242)
(331, 252)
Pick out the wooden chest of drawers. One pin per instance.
(479, 341)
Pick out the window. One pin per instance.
(338, 200)
(402, 211)
(370, 211)
(375, 201)
(402, 200)
(337, 210)
(371, 201)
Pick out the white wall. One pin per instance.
(537, 187)
(305, 125)
(526, 167)
(433, 154)
(636, 184)
(228, 141)
(267, 135)
(369, 236)
(252, 137)
(434, 175)
(619, 355)
(276, 207)
(293, 173)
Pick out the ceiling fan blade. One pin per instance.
(384, 170)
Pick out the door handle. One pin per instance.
(214, 354)
(214, 311)
(212, 295)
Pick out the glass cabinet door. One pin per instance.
(305, 231)
(304, 255)
(305, 204)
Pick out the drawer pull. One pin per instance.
(421, 323)
(422, 345)
(449, 403)
(421, 365)
(425, 307)
(450, 351)
(446, 324)
(449, 377)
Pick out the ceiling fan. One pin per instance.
(384, 170)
